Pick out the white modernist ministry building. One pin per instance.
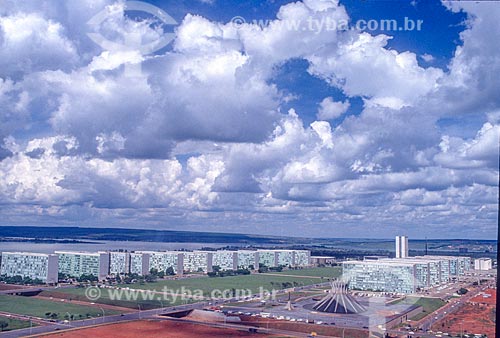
(103, 264)
(225, 260)
(33, 265)
(139, 263)
(198, 261)
(161, 261)
(77, 263)
(403, 274)
(288, 258)
(247, 259)
(119, 263)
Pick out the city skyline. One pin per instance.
(269, 117)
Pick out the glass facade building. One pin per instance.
(403, 275)
(139, 263)
(75, 264)
(267, 258)
(247, 259)
(226, 260)
(397, 277)
(162, 260)
(119, 263)
(198, 261)
(32, 265)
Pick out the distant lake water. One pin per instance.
(106, 245)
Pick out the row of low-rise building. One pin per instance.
(403, 275)
(204, 261)
(46, 267)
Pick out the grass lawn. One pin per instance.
(207, 284)
(429, 305)
(39, 307)
(327, 272)
(197, 286)
(144, 303)
(15, 324)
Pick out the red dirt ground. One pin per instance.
(477, 316)
(156, 329)
(490, 300)
(324, 330)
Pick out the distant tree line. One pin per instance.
(218, 272)
(20, 280)
(3, 325)
(264, 268)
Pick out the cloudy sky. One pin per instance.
(280, 125)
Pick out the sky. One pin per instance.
(307, 118)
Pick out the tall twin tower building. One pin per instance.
(401, 247)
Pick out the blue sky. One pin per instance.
(270, 127)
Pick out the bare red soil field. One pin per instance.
(477, 316)
(487, 297)
(304, 328)
(155, 329)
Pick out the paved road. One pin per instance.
(453, 306)
(96, 321)
(25, 317)
(53, 327)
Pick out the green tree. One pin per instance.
(3, 325)
(151, 278)
(88, 278)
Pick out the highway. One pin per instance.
(47, 326)
(53, 327)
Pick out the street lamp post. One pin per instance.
(161, 303)
(102, 313)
